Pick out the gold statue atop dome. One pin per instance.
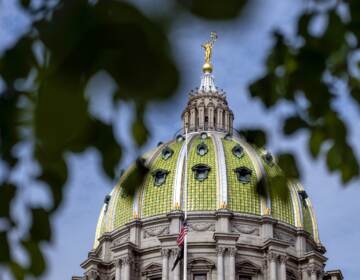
(208, 46)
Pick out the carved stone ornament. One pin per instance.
(283, 259)
(155, 231)
(220, 250)
(232, 252)
(245, 229)
(175, 252)
(127, 260)
(123, 239)
(271, 257)
(165, 252)
(202, 227)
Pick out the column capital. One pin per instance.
(220, 250)
(118, 262)
(232, 251)
(165, 252)
(174, 252)
(283, 259)
(272, 256)
(126, 260)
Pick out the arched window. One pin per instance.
(159, 176)
(243, 174)
(201, 171)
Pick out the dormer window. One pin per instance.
(202, 149)
(166, 153)
(243, 174)
(303, 195)
(201, 171)
(159, 176)
(203, 135)
(268, 158)
(238, 151)
(180, 138)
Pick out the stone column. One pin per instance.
(232, 255)
(127, 262)
(272, 265)
(165, 263)
(176, 271)
(283, 260)
(304, 274)
(313, 273)
(201, 117)
(211, 117)
(192, 119)
(220, 262)
(118, 264)
(226, 121)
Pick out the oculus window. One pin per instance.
(159, 176)
(201, 171)
(203, 135)
(238, 151)
(166, 153)
(202, 149)
(243, 174)
(268, 158)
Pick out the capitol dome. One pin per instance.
(223, 172)
(209, 181)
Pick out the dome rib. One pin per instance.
(180, 173)
(221, 182)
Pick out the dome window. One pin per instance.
(166, 153)
(303, 195)
(180, 138)
(202, 149)
(201, 171)
(243, 174)
(238, 151)
(159, 176)
(203, 135)
(268, 158)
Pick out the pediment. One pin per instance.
(152, 268)
(201, 263)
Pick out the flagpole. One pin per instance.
(185, 203)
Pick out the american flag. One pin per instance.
(180, 242)
(183, 231)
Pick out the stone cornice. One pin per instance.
(275, 244)
(124, 246)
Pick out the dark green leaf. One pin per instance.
(37, 261)
(7, 194)
(288, 165)
(40, 227)
(254, 136)
(4, 247)
(293, 124)
(212, 9)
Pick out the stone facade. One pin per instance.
(221, 245)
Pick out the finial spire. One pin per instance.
(208, 46)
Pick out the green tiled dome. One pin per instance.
(220, 172)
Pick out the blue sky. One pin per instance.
(238, 59)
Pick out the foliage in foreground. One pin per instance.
(46, 72)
